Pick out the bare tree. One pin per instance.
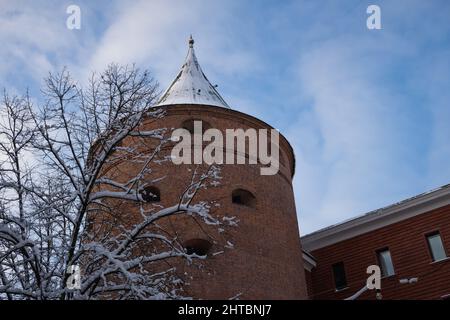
(60, 206)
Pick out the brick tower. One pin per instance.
(260, 258)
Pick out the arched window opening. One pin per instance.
(199, 247)
(151, 194)
(243, 197)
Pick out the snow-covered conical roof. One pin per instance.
(191, 85)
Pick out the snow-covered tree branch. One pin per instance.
(60, 202)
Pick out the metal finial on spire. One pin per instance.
(191, 42)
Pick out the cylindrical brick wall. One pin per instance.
(265, 261)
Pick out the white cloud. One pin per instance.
(154, 34)
(35, 40)
(347, 141)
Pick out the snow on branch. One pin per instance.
(63, 205)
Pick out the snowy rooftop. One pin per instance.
(191, 85)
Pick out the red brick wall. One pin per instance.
(407, 243)
(309, 284)
(266, 260)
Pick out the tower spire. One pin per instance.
(191, 85)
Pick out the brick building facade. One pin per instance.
(264, 261)
(409, 240)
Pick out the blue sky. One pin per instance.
(367, 111)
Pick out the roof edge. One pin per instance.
(378, 218)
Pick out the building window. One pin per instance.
(340, 279)
(199, 247)
(151, 194)
(243, 197)
(436, 246)
(385, 263)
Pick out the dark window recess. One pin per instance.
(436, 246)
(243, 197)
(340, 279)
(199, 247)
(151, 194)
(237, 199)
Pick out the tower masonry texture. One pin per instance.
(261, 257)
